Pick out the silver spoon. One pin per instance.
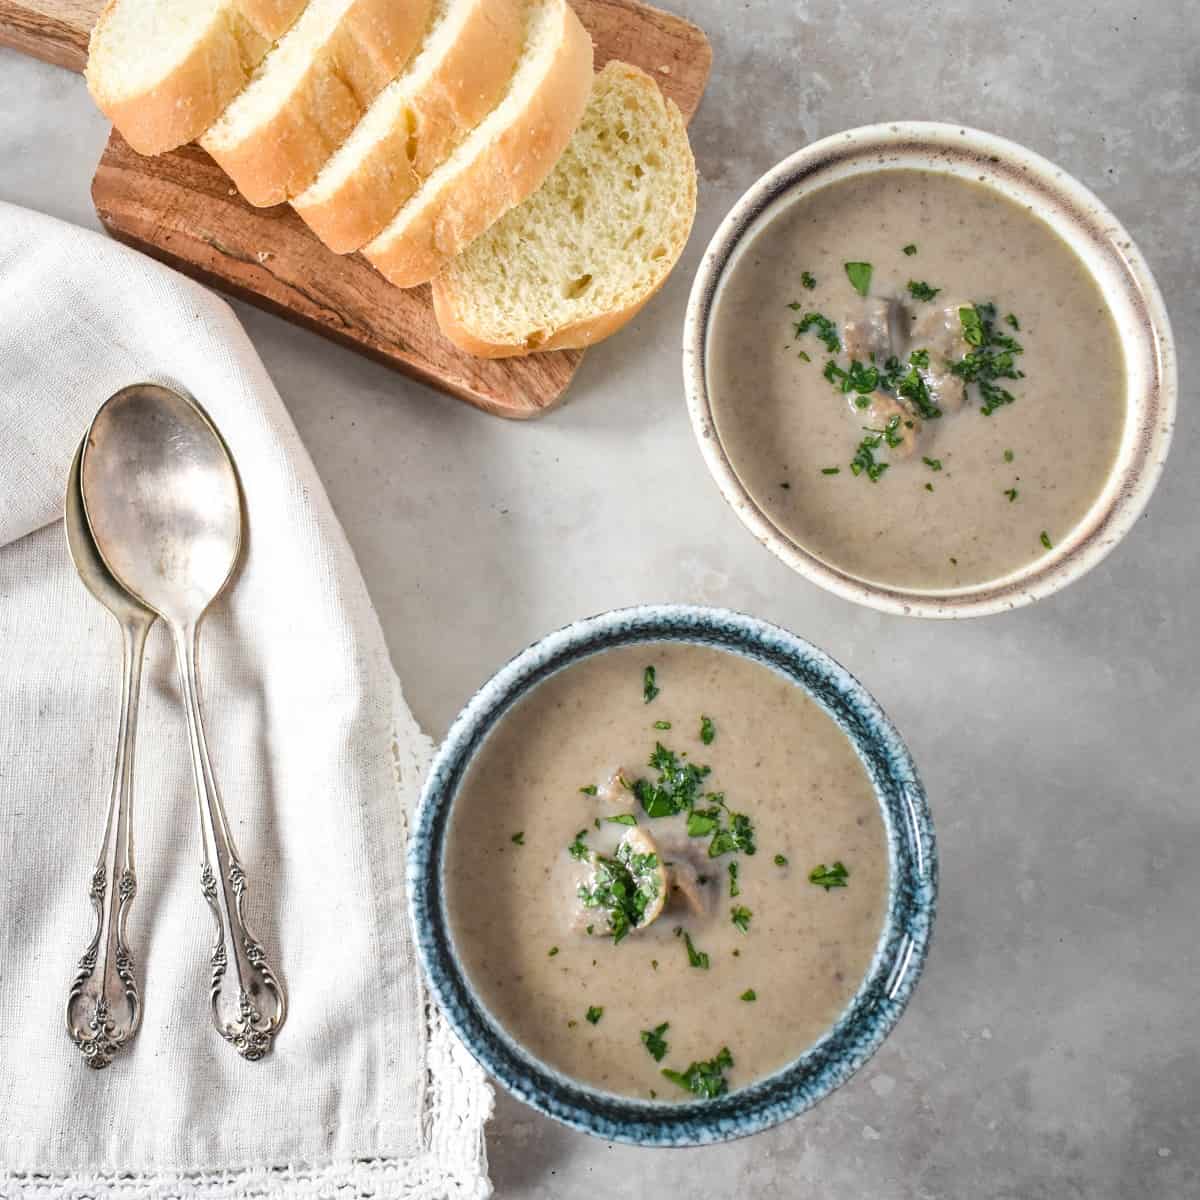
(104, 1008)
(164, 507)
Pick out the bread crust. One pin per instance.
(588, 330)
(183, 104)
(467, 82)
(514, 166)
(282, 155)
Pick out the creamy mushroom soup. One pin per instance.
(916, 379)
(666, 871)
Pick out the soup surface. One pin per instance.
(748, 919)
(916, 379)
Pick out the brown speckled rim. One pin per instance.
(1107, 251)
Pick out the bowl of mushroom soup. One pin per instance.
(929, 370)
(673, 875)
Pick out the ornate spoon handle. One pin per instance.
(248, 1002)
(104, 1008)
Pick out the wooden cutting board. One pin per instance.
(182, 209)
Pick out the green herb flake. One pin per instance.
(809, 280)
(1011, 493)
(1012, 320)
(859, 274)
(624, 886)
(621, 819)
(1009, 456)
(518, 839)
(737, 838)
(740, 916)
(910, 249)
(829, 877)
(749, 995)
(780, 860)
(577, 849)
(594, 1013)
(553, 952)
(1045, 540)
(704, 1079)
(589, 790)
(934, 464)
(652, 1039)
(734, 888)
(831, 470)
(929, 487)
(696, 958)
(662, 724)
(918, 289)
(972, 326)
(649, 687)
(804, 355)
(826, 330)
(708, 730)
(992, 357)
(919, 358)
(572, 1024)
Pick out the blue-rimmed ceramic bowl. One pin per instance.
(903, 942)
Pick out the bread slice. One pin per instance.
(500, 162)
(163, 70)
(460, 75)
(311, 90)
(586, 251)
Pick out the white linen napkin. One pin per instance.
(317, 757)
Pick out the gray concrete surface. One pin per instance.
(1053, 1049)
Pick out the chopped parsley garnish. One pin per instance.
(624, 886)
(831, 470)
(1045, 539)
(649, 687)
(737, 838)
(662, 724)
(1011, 493)
(749, 995)
(705, 1079)
(696, 958)
(864, 458)
(918, 289)
(804, 355)
(519, 838)
(780, 860)
(1012, 320)
(826, 330)
(553, 952)
(572, 1024)
(621, 819)
(652, 1039)
(708, 730)
(861, 377)
(1008, 456)
(859, 274)
(740, 915)
(594, 1013)
(919, 358)
(910, 249)
(701, 823)
(829, 877)
(809, 280)
(929, 487)
(678, 785)
(934, 464)
(589, 789)
(577, 849)
(734, 888)
(992, 357)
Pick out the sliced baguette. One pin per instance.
(460, 75)
(500, 162)
(163, 70)
(310, 91)
(587, 250)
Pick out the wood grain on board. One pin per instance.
(181, 208)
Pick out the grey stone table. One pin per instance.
(1053, 1048)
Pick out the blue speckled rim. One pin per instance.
(903, 943)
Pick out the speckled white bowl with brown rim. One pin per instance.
(1106, 250)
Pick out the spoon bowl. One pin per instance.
(162, 500)
(165, 511)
